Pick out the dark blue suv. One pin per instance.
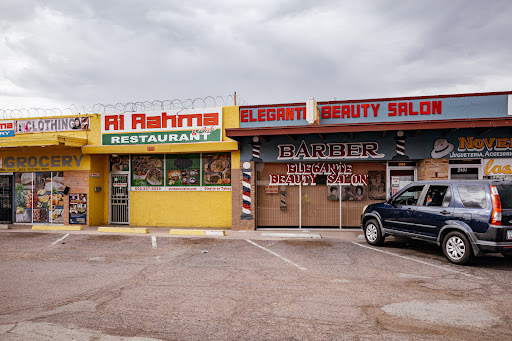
(464, 217)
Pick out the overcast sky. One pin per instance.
(83, 52)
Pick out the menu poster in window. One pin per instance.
(217, 172)
(183, 172)
(78, 208)
(119, 163)
(147, 172)
(376, 185)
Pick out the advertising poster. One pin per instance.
(183, 172)
(217, 172)
(147, 172)
(377, 185)
(39, 197)
(45, 125)
(78, 208)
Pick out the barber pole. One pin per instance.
(256, 149)
(282, 205)
(246, 195)
(400, 146)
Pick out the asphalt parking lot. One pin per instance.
(90, 286)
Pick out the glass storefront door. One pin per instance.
(400, 174)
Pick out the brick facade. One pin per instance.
(78, 182)
(433, 169)
(236, 187)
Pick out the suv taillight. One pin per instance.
(496, 207)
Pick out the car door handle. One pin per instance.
(445, 212)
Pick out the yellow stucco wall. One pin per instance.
(98, 201)
(181, 209)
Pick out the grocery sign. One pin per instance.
(163, 127)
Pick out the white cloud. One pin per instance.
(87, 52)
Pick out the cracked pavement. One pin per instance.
(119, 287)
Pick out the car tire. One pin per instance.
(456, 247)
(372, 233)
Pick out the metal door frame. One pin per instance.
(388, 175)
(110, 176)
(13, 203)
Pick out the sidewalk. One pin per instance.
(262, 234)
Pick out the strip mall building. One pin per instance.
(294, 165)
(169, 168)
(316, 165)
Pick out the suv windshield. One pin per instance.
(505, 192)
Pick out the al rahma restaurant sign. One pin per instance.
(163, 127)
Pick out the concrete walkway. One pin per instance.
(171, 232)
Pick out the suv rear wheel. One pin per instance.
(372, 233)
(456, 247)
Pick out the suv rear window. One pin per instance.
(472, 196)
(505, 192)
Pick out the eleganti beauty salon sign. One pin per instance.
(162, 127)
(384, 110)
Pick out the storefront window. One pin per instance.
(119, 163)
(465, 169)
(148, 170)
(217, 170)
(183, 171)
(39, 197)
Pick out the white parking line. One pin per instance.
(153, 241)
(417, 261)
(58, 240)
(277, 255)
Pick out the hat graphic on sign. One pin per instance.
(441, 148)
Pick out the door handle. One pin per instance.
(409, 209)
(444, 212)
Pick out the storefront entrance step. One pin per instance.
(290, 235)
(123, 229)
(4, 227)
(57, 228)
(178, 232)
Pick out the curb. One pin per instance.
(291, 235)
(177, 232)
(123, 229)
(5, 227)
(56, 228)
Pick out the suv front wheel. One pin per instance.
(456, 247)
(372, 233)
